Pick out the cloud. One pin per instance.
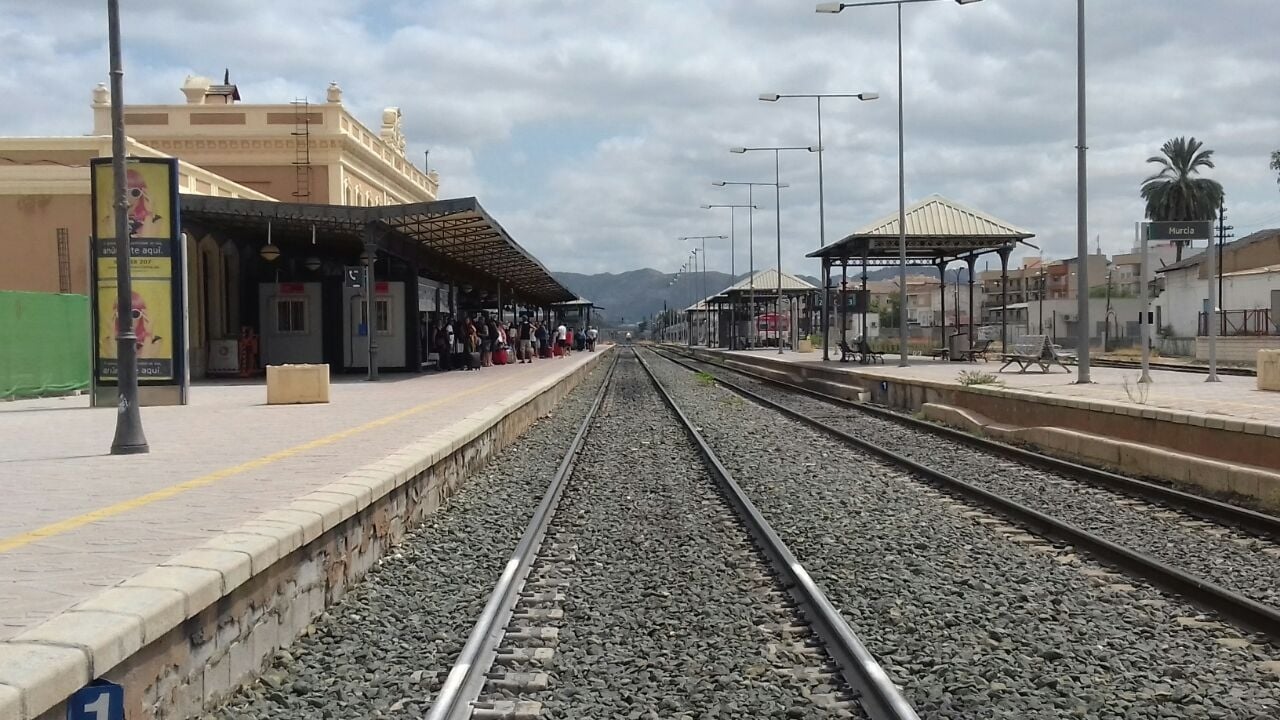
(593, 130)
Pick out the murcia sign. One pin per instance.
(1182, 230)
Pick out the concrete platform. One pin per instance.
(175, 573)
(1221, 437)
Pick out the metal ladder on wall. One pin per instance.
(302, 149)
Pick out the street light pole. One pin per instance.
(751, 252)
(903, 334)
(733, 254)
(1082, 207)
(777, 189)
(129, 438)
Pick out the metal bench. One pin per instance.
(863, 354)
(976, 351)
(1032, 350)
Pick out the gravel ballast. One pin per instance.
(972, 621)
(383, 649)
(669, 611)
(1240, 562)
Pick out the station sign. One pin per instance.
(353, 276)
(1180, 230)
(99, 700)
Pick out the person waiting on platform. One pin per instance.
(568, 342)
(592, 333)
(526, 340)
(561, 334)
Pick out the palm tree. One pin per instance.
(1173, 194)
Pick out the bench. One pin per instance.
(1032, 350)
(976, 351)
(864, 354)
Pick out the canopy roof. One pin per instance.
(578, 302)
(937, 229)
(456, 235)
(765, 285)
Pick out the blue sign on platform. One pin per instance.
(99, 700)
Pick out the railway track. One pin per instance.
(1169, 543)
(1173, 367)
(642, 547)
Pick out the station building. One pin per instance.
(279, 201)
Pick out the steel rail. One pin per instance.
(877, 694)
(1259, 523)
(1246, 611)
(466, 678)
(1126, 365)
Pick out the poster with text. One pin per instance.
(154, 313)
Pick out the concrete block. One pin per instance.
(362, 493)
(107, 638)
(1269, 370)
(288, 535)
(10, 702)
(1246, 481)
(1210, 475)
(329, 511)
(200, 587)
(1269, 488)
(159, 609)
(310, 524)
(297, 384)
(234, 567)
(217, 678)
(243, 662)
(263, 550)
(44, 675)
(1101, 449)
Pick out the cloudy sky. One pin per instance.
(593, 129)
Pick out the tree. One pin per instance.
(888, 312)
(1174, 193)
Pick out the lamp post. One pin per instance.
(706, 305)
(903, 335)
(733, 254)
(863, 96)
(777, 194)
(129, 438)
(751, 250)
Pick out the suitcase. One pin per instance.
(473, 360)
(544, 351)
(500, 357)
(559, 351)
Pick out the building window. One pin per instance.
(291, 316)
(382, 316)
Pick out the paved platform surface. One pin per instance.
(78, 520)
(1235, 397)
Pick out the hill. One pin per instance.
(631, 296)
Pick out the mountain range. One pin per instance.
(628, 297)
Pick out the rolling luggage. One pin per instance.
(500, 357)
(544, 351)
(473, 360)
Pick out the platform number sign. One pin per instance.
(99, 700)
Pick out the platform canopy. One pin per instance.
(938, 230)
(456, 237)
(765, 284)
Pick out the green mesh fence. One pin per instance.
(44, 344)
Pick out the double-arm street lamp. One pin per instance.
(705, 297)
(733, 253)
(777, 195)
(864, 96)
(903, 335)
(751, 249)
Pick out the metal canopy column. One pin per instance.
(826, 309)
(1004, 302)
(941, 264)
(865, 248)
(971, 260)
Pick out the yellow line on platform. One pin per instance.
(14, 542)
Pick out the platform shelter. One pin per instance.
(939, 232)
(762, 308)
(295, 273)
